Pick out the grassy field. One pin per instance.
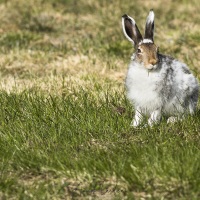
(64, 118)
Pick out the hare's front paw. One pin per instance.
(135, 123)
(137, 118)
(155, 117)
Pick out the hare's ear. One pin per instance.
(149, 28)
(131, 30)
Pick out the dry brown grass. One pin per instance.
(79, 39)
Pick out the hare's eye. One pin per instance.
(139, 50)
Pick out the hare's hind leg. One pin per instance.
(191, 107)
(172, 119)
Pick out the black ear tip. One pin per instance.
(125, 16)
(151, 9)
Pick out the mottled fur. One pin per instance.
(157, 84)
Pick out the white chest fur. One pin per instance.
(141, 86)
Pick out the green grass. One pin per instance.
(48, 141)
(64, 117)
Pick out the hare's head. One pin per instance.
(146, 50)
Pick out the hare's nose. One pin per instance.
(153, 61)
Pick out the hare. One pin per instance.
(156, 84)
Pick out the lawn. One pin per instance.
(64, 117)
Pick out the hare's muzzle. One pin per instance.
(153, 61)
(151, 64)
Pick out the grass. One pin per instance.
(80, 144)
(64, 117)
